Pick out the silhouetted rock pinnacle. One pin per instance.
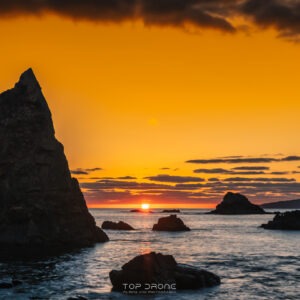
(41, 206)
(237, 204)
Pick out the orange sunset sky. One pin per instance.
(136, 92)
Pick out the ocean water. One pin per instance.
(253, 263)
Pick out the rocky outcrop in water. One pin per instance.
(41, 205)
(236, 204)
(157, 272)
(116, 226)
(145, 211)
(289, 220)
(171, 211)
(171, 223)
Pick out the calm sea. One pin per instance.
(253, 263)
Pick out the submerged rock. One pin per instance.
(6, 285)
(171, 223)
(289, 220)
(236, 204)
(116, 226)
(154, 272)
(10, 284)
(41, 205)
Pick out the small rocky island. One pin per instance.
(171, 211)
(170, 223)
(157, 272)
(289, 220)
(237, 204)
(116, 225)
(145, 211)
(41, 205)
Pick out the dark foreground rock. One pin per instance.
(157, 272)
(116, 226)
(289, 220)
(236, 204)
(171, 211)
(41, 205)
(171, 223)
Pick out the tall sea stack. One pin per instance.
(41, 205)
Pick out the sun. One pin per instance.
(145, 206)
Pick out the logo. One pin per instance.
(149, 288)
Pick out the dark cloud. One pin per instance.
(243, 160)
(94, 169)
(213, 179)
(81, 171)
(166, 168)
(224, 171)
(260, 179)
(103, 195)
(212, 171)
(120, 184)
(232, 160)
(231, 156)
(283, 15)
(105, 10)
(174, 179)
(250, 168)
(271, 189)
(201, 13)
(291, 158)
(249, 173)
(189, 186)
(126, 178)
(279, 173)
(114, 178)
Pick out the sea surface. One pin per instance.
(253, 263)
